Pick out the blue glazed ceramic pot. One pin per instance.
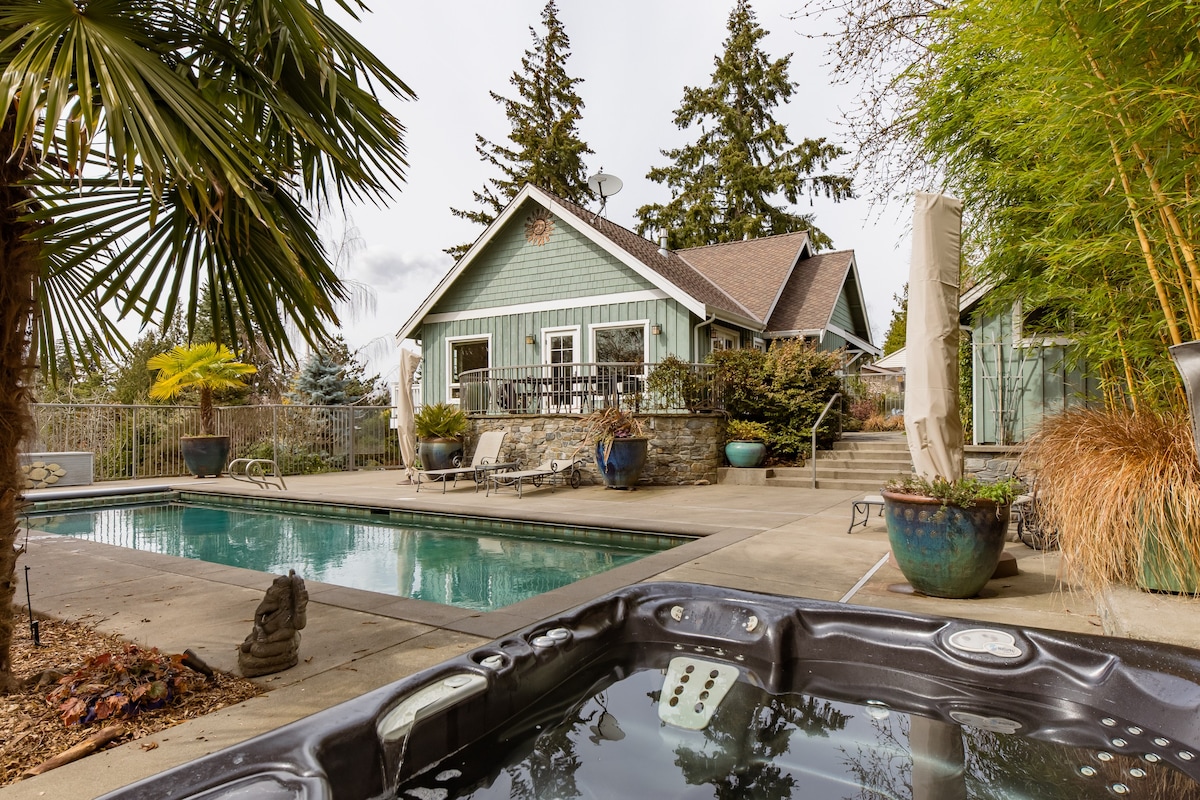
(623, 466)
(745, 454)
(204, 455)
(945, 551)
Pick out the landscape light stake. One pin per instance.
(33, 623)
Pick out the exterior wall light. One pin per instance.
(655, 330)
(529, 338)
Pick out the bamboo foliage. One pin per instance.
(1068, 129)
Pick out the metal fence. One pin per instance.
(143, 441)
(580, 388)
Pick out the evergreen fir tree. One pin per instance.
(733, 181)
(321, 382)
(545, 147)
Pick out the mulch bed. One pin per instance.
(32, 727)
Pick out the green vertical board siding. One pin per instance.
(511, 270)
(1018, 387)
(842, 316)
(508, 333)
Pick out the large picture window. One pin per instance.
(466, 354)
(624, 344)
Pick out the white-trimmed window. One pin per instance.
(560, 345)
(725, 339)
(1045, 325)
(620, 342)
(464, 353)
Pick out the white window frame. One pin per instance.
(632, 323)
(721, 332)
(548, 332)
(451, 384)
(1022, 341)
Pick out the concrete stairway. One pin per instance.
(863, 461)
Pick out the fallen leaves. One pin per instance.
(31, 731)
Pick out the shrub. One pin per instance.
(785, 388)
(744, 430)
(884, 422)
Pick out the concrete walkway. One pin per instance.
(784, 541)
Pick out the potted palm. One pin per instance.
(947, 536)
(621, 446)
(440, 428)
(745, 442)
(206, 368)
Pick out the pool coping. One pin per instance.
(488, 624)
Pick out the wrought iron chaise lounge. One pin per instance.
(552, 471)
(485, 460)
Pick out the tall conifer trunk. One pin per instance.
(18, 273)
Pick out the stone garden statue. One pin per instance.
(274, 644)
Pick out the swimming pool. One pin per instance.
(469, 563)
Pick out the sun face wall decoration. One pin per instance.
(538, 227)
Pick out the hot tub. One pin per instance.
(678, 690)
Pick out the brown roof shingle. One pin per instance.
(753, 271)
(809, 298)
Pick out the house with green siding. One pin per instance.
(553, 284)
(1022, 369)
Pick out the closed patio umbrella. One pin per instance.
(404, 411)
(931, 416)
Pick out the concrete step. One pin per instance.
(878, 475)
(866, 487)
(895, 447)
(864, 455)
(866, 463)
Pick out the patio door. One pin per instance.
(560, 354)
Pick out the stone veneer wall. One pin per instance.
(684, 448)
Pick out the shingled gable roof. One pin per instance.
(669, 272)
(755, 271)
(808, 300)
(670, 266)
(771, 284)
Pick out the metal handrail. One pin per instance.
(813, 448)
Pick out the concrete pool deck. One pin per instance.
(783, 541)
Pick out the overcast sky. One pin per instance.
(635, 58)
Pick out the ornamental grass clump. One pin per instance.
(1117, 485)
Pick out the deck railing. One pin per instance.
(580, 388)
(131, 441)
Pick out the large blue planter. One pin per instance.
(439, 453)
(745, 454)
(204, 455)
(945, 551)
(623, 466)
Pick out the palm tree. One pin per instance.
(206, 367)
(149, 148)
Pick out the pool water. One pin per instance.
(467, 567)
(613, 743)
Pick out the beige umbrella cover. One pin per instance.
(935, 434)
(404, 411)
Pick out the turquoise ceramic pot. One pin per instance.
(745, 454)
(623, 466)
(945, 551)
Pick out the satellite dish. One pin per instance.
(606, 186)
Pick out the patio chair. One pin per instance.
(485, 460)
(551, 472)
